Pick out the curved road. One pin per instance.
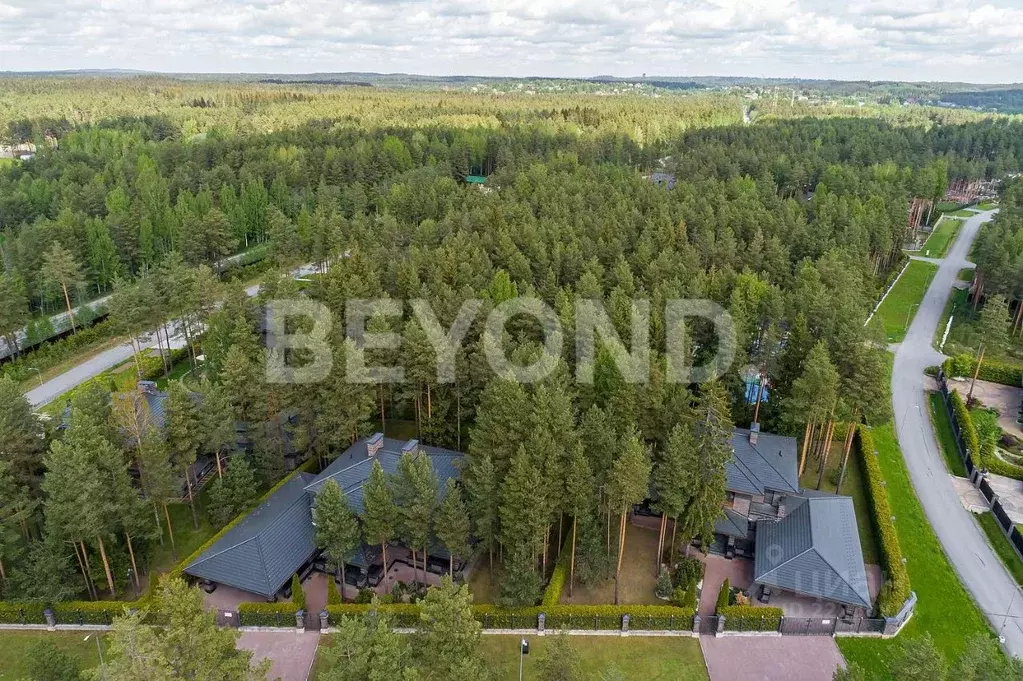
(965, 545)
(108, 359)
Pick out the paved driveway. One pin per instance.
(292, 654)
(778, 658)
(967, 548)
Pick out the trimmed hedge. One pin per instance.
(552, 594)
(751, 618)
(591, 617)
(991, 370)
(267, 614)
(22, 613)
(91, 612)
(896, 589)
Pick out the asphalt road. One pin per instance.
(108, 359)
(962, 539)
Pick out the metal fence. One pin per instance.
(1008, 527)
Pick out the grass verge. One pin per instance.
(945, 436)
(16, 647)
(898, 307)
(637, 658)
(966, 274)
(1000, 543)
(943, 235)
(937, 587)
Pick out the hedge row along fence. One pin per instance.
(552, 594)
(751, 618)
(991, 370)
(267, 614)
(578, 617)
(896, 589)
(104, 612)
(983, 453)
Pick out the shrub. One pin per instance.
(267, 614)
(333, 596)
(688, 571)
(990, 370)
(297, 593)
(751, 618)
(552, 594)
(678, 596)
(896, 590)
(723, 596)
(364, 596)
(690, 599)
(663, 587)
(47, 662)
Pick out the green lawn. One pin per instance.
(943, 235)
(897, 309)
(4, 163)
(946, 438)
(186, 538)
(966, 274)
(1000, 543)
(987, 205)
(944, 609)
(962, 214)
(15, 647)
(852, 486)
(639, 658)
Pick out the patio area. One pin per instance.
(796, 605)
(1004, 398)
(738, 572)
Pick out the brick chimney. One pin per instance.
(374, 444)
(412, 446)
(754, 432)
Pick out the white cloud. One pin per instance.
(973, 40)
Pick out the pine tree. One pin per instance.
(502, 423)
(337, 528)
(21, 435)
(578, 498)
(813, 397)
(379, 514)
(219, 425)
(484, 502)
(417, 501)
(521, 517)
(671, 476)
(62, 272)
(183, 433)
(449, 635)
(705, 464)
(231, 494)
(629, 483)
(452, 524)
(14, 311)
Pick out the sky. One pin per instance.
(948, 40)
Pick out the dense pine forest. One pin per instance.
(794, 223)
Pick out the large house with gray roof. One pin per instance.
(802, 541)
(278, 539)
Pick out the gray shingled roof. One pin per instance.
(351, 469)
(814, 551)
(732, 524)
(771, 464)
(263, 551)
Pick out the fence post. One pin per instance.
(324, 620)
(625, 625)
(696, 623)
(721, 624)
(51, 619)
(300, 619)
(541, 622)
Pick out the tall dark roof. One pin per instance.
(814, 551)
(732, 524)
(771, 464)
(263, 551)
(351, 469)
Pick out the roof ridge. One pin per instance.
(262, 562)
(825, 559)
(747, 472)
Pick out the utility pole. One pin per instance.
(523, 650)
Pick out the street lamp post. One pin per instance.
(99, 649)
(523, 650)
